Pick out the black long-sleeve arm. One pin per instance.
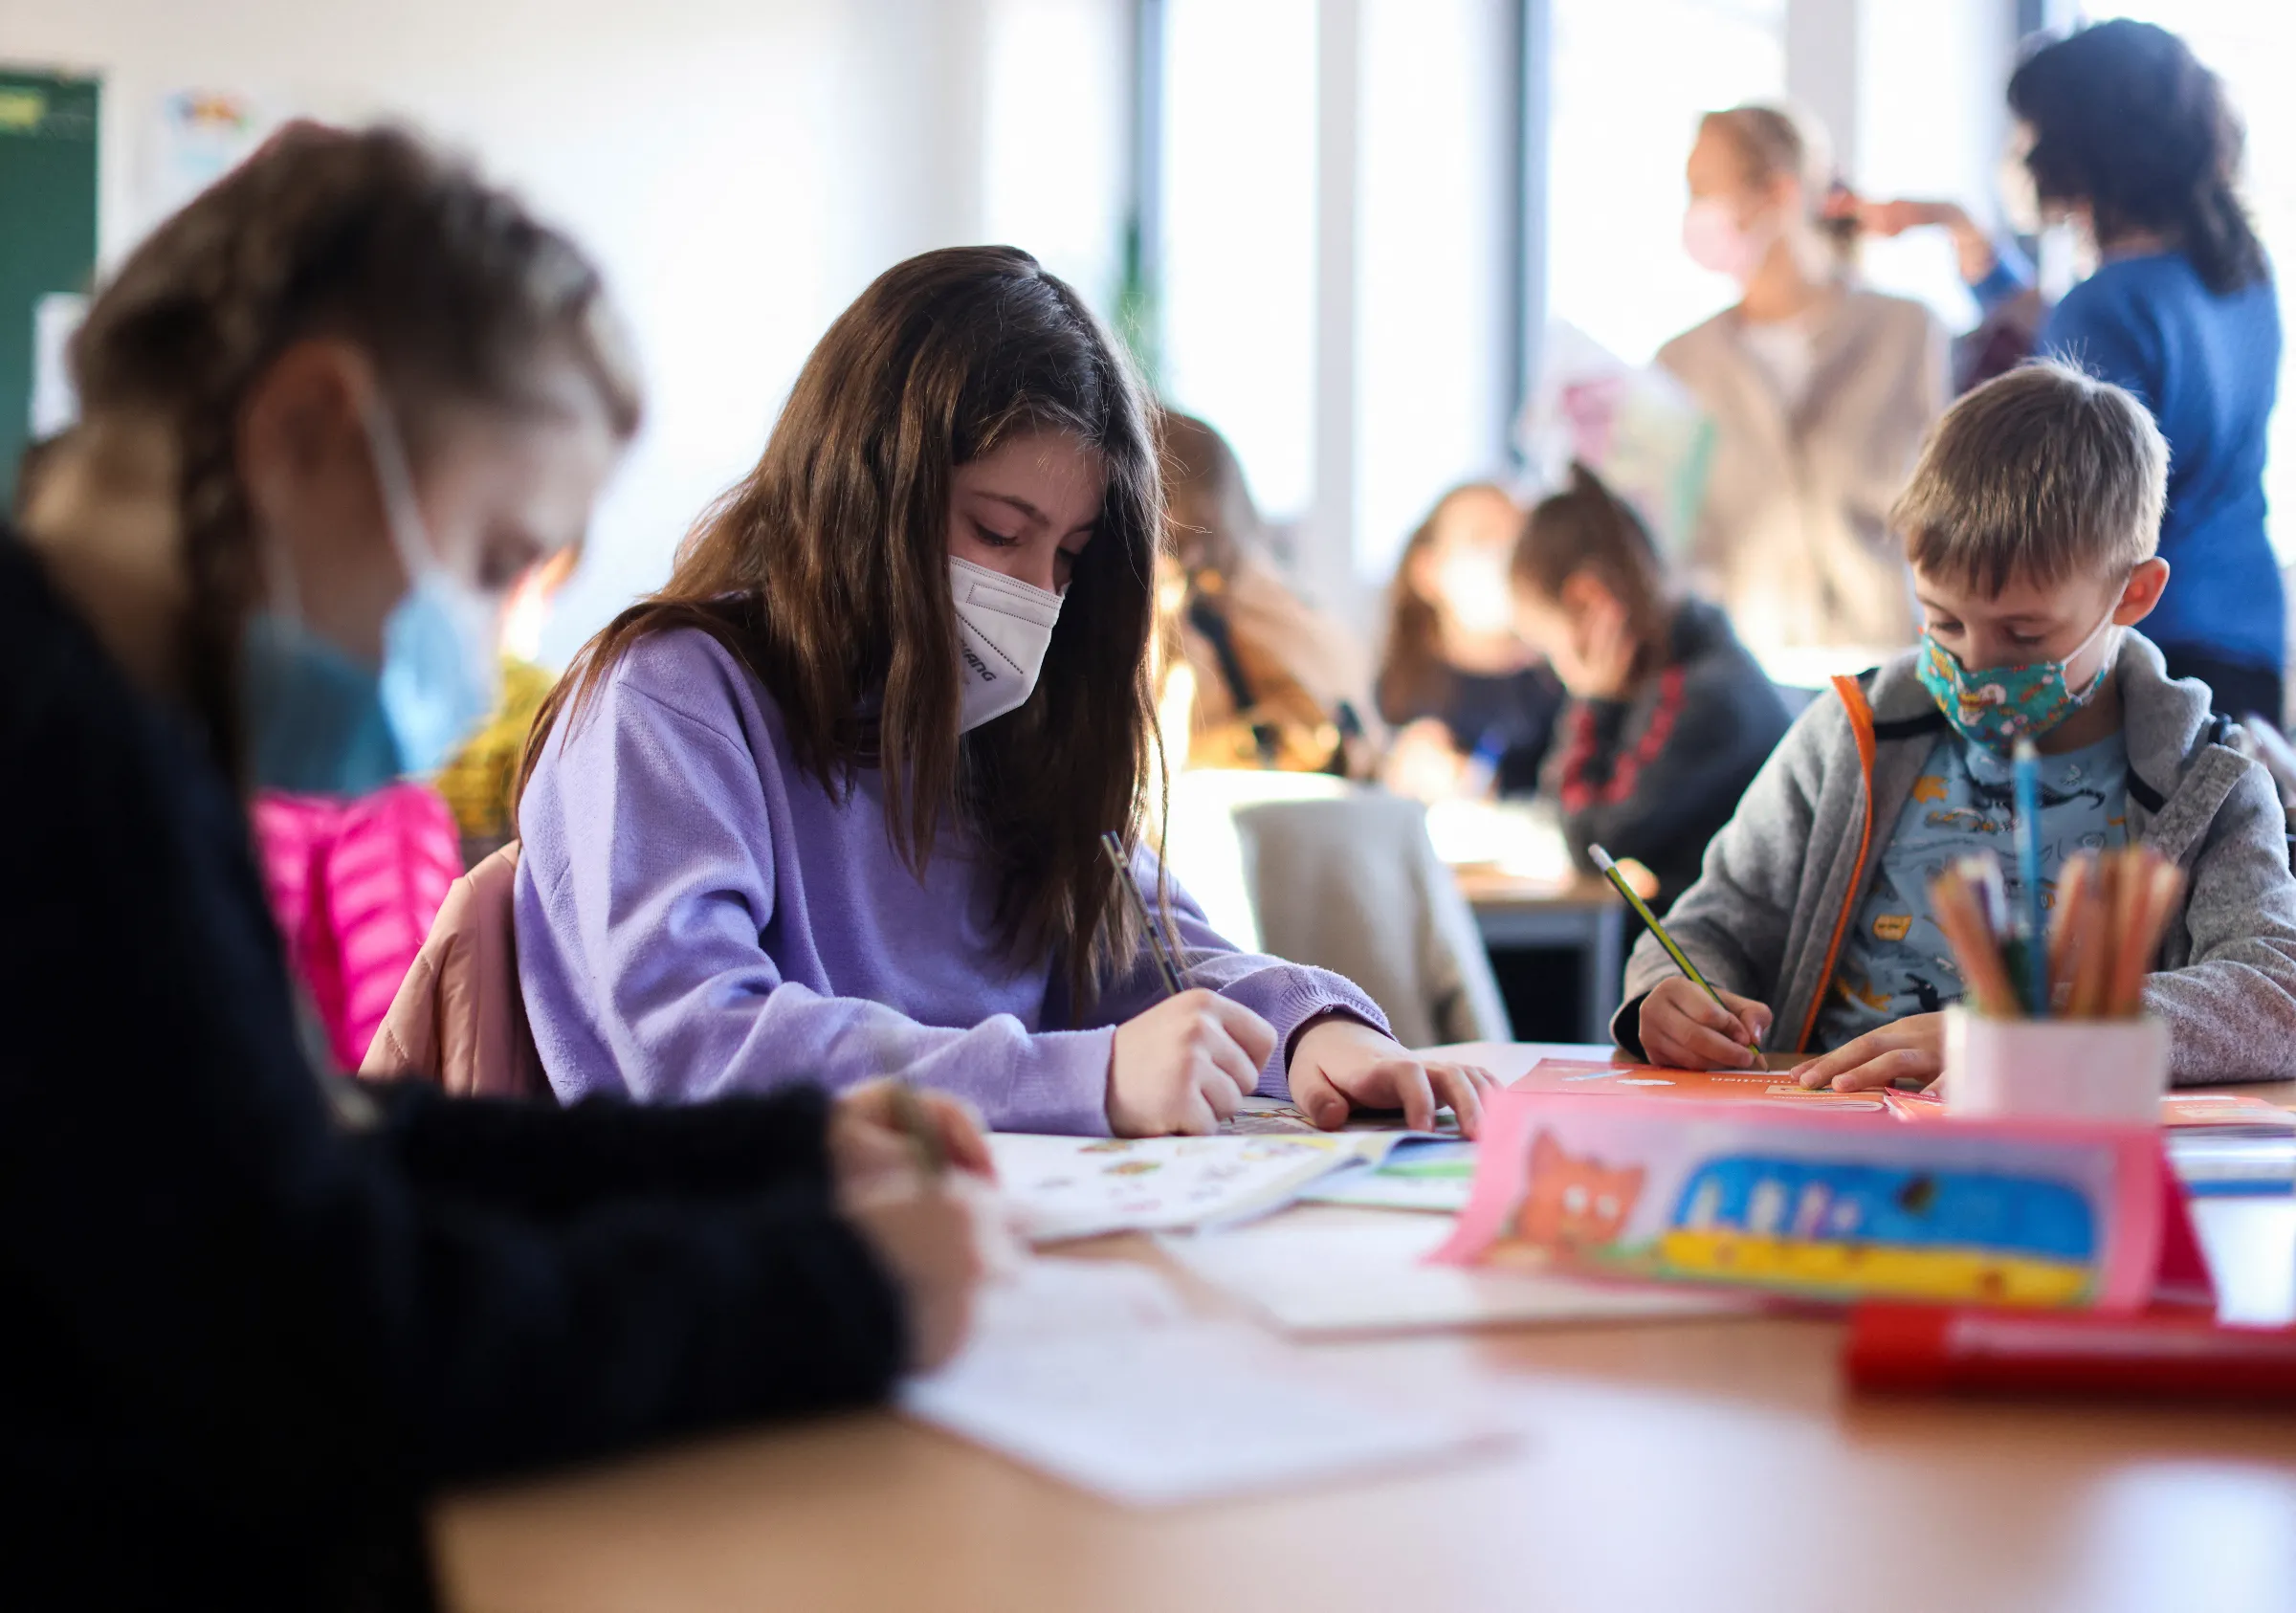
(540, 1160)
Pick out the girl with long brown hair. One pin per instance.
(830, 805)
(258, 1316)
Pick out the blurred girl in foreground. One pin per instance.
(258, 1315)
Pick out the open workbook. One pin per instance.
(2178, 1110)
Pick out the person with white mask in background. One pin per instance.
(833, 804)
(1820, 391)
(1473, 706)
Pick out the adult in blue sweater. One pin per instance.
(2125, 136)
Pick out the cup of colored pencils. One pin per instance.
(2053, 1023)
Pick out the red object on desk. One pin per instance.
(1936, 1350)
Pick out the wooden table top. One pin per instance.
(1707, 1465)
(1492, 886)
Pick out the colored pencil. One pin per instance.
(2026, 780)
(1975, 937)
(1167, 967)
(1681, 959)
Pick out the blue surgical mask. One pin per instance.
(322, 722)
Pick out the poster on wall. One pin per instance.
(54, 402)
(198, 136)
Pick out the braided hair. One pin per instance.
(2125, 119)
(449, 286)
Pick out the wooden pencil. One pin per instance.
(2095, 966)
(2069, 928)
(2130, 902)
(1956, 900)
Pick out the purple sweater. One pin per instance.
(697, 916)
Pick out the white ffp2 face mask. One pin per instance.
(1003, 628)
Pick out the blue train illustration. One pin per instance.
(1982, 1236)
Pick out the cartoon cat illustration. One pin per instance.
(1573, 1202)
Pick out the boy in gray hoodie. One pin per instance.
(2031, 523)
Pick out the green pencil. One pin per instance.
(1681, 959)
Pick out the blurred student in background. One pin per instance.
(1820, 391)
(831, 804)
(257, 1315)
(1275, 682)
(2122, 135)
(1669, 719)
(479, 781)
(1472, 705)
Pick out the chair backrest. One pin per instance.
(459, 1019)
(1352, 884)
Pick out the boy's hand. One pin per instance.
(1340, 1063)
(1913, 1047)
(1682, 1028)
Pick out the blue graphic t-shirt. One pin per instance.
(1894, 962)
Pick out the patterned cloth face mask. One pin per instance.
(2002, 705)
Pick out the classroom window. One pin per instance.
(1057, 195)
(1433, 323)
(1623, 116)
(1237, 281)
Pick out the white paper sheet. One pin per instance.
(1370, 1276)
(1155, 1412)
(1079, 1188)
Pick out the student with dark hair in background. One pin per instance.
(1670, 717)
(2123, 134)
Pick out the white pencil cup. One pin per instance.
(2056, 1068)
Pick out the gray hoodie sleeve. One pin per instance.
(1734, 921)
(2230, 1003)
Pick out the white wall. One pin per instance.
(741, 168)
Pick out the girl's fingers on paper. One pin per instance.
(1413, 1093)
(1314, 1095)
(1456, 1085)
